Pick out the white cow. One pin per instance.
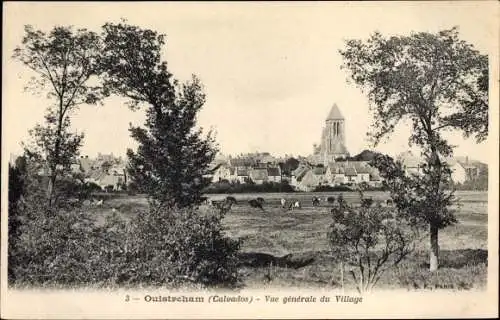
(283, 203)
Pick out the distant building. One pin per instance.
(222, 172)
(413, 165)
(258, 176)
(342, 172)
(274, 174)
(458, 172)
(242, 175)
(298, 174)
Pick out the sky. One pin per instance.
(271, 71)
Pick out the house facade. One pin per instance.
(274, 174)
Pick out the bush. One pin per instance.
(369, 239)
(64, 247)
(175, 246)
(61, 247)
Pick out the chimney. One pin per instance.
(466, 159)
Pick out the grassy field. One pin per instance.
(303, 231)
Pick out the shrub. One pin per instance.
(65, 247)
(175, 246)
(62, 247)
(369, 238)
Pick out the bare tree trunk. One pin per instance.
(434, 252)
(50, 187)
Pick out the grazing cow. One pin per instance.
(283, 203)
(222, 204)
(230, 199)
(216, 203)
(330, 199)
(260, 199)
(204, 200)
(99, 203)
(294, 204)
(389, 202)
(366, 202)
(315, 201)
(254, 203)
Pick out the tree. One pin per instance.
(437, 82)
(173, 157)
(174, 241)
(289, 165)
(65, 62)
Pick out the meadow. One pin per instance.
(303, 233)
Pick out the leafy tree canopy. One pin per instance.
(436, 81)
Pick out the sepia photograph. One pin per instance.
(249, 160)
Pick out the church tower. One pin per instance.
(333, 138)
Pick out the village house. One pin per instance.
(472, 169)
(458, 172)
(313, 178)
(363, 172)
(242, 175)
(350, 172)
(258, 175)
(274, 174)
(413, 165)
(351, 175)
(298, 174)
(223, 172)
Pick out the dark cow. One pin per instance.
(222, 204)
(330, 199)
(231, 199)
(315, 201)
(366, 202)
(204, 200)
(389, 202)
(260, 199)
(254, 203)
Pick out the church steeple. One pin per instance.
(333, 137)
(335, 113)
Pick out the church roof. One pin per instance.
(335, 113)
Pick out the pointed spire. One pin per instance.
(335, 113)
